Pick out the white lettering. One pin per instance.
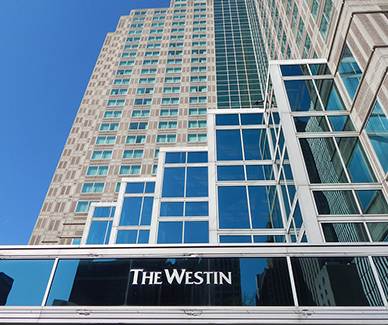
(174, 275)
(149, 277)
(157, 279)
(198, 276)
(207, 276)
(135, 275)
(215, 278)
(188, 278)
(228, 278)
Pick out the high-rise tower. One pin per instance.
(209, 178)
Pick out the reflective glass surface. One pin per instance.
(319, 69)
(372, 202)
(349, 71)
(302, 95)
(130, 214)
(197, 157)
(329, 94)
(227, 119)
(197, 182)
(171, 209)
(173, 182)
(126, 237)
(251, 119)
(311, 124)
(170, 232)
(194, 209)
(235, 239)
(335, 202)
(335, 281)
(175, 157)
(258, 199)
(233, 207)
(229, 145)
(23, 283)
(341, 123)
(99, 232)
(251, 139)
(378, 231)
(345, 232)
(134, 188)
(255, 172)
(230, 173)
(294, 70)
(196, 232)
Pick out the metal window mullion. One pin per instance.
(50, 281)
(292, 281)
(378, 282)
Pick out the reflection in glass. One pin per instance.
(330, 96)
(196, 232)
(255, 172)
(170, 232)
(335, 202)
(99, 232)
(130, 213)
(235, 239)
(228, 145)
(327, 281)
(251, 139)
(378, 231)
(311, 124)
(319, 69)
(377, 130)
(341, 123)
(173, 182)
(23, 283)
(227, 119)
(381, 263)
(126, 237)
(171, 209)
(251, 119)
(175, 157)
(260, 213)
(233, 207)
(197, 182)
(345, 232)
(294, 70)
(197, 157)
(230, 173)
(134, 188)
(195, 209)
(349, 71)
(372, 202)
(302, 95)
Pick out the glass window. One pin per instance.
(252, 139)
(349, 71)
(331, 98)
(197, 157)
(97, 171)
(99, 232)
(377, 130)
(171, 209)
(197, 182)
(130, 214)
(233, 207)
(302, 95)
(255, 172)
(175, 158)
(170, 232)
(228, 145)
(230, 173)
(344, 232)
(196, 232)
(196, 209)
(173, 182)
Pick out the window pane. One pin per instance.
(302, 95)
(349, 71)
(147, 211)
(196, 232)
(260, 212)
(173, 182)
(171, 209)
(230, 173)
(170, 232)
(126, 237)
(252, 144)
(227, 119)
(130, 214)
(235, 239)
(194, 209)
(197, 182)
(97, 232)
(255, 172)
(175, 157)
(228, 145)
(344, 232)
(335, 202)
(134, 188)
(233, 207)
(197, 157)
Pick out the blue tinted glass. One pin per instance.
(143, 236)
(150, 187)
(252, 144)
(233, 207)
(23, 283)
(329, 93)
(173, 182)
(196, 232)
(294, 70)
(170, 232)
(302, 95)
(264, 239)
(147, 211)
(108, 232)
(175, 157)
(319, 69)
(101, 212)
(60, 290)
(229, 145)
(258, 199)
(298, 216)
(197, 157)
(372, 202)
(130, 213)
(134, 188)
(97, 232)
(126, 237)
(341, 123)
(171, 209)
(255, 172)
(227, 119)
(197, 183)
(349, 71)
(230, 173)
(251, 119)
(194, 209)
(235, 239)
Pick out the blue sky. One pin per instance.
(48, 49)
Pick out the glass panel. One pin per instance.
(23, 283)
(150, 187)
(230, 173)
(251, 119)
(378, 231)
(341, 123)
(171, 209)
(134, 188)
(233, 207)
(197, 157)
(330, 96)
(196, 232)
(147, 211)
(98, 232)
(355, 160)
(376, 129)
(335, 202)
(294, 70)
(255, 172)
(319, 69)
(252, 144)
(126, 237)
(130, 214)
(322, 160)
(175, 157)
(227, 119)
(344, 232)
(311, 124)
(102, 212)
(331, 281)
(228, 145)
(258, 200)
(235, 239)
(349, 71)
(194, 209)
(143, 236)
(382, 269)
(170, 232)
(197, 182)
(372, 202)
(173, 182)
(302, 95)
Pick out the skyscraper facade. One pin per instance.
(227, 165)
